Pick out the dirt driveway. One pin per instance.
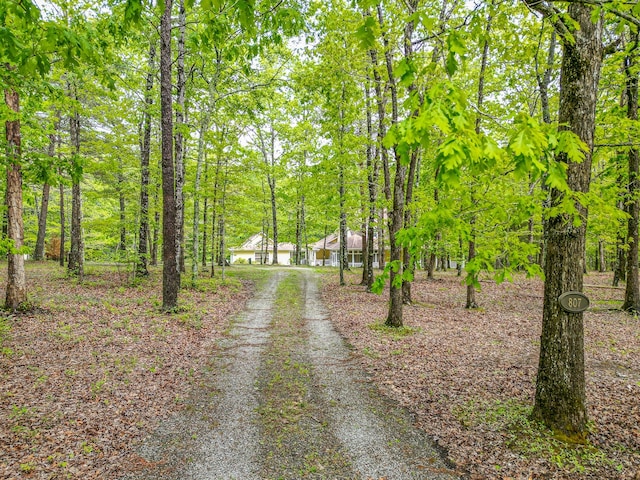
(285, 400)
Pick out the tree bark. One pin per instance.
(372, 182)
(196, 199)
(62, 221)
(560, 386)
(471, 289)
(145, 154)
(76, 254)
(44, 207)
(180, 138)
(170, 271)
(16, 295)
(632, 291)
(122, 246)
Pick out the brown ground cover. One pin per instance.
(469, 376)
(95, 366)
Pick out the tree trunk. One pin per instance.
(44, 207)
(543, 84)
(560, 385)
(407, 260)
(180, 139)
(632, 291)
(170, 271)
(472, 279)
(42, 223)
(76, 254)
(396, 216)
(145, 154)
(62, 221)
(196, 200)
(620, 272)
(344, 265)
(602, 267)
(214, 216)
(16, 277)
(122, 246)
(372, 183)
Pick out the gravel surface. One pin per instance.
(224, 434)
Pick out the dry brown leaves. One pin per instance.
(96, 366)
(460, 358)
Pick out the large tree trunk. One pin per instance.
(170, 271)
(180, 139)
(396, 216)
(145, 154)
(76, 254)
(16, 276)
(560, 386)
(632, 291)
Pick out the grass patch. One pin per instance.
(396, 333)
(5, 329)
(529, 438)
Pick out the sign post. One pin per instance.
(573, 302)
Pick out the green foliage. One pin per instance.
(526, 437)
(396, 333)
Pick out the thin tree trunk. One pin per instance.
(205, 209)
(156, 232)
(620, 272)
(632, 291)
(16, 294)
(42, 223)
(543, 84)
(180, 147)
(196, 199)
(407, 260)
(344, 262)
(76, 254)
(62, 221)
(372, 184)
(122, 246)
(214, 216)
(472, 279)
(170, 270)
(145, 154)
(560, 387)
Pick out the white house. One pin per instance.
(326, 252)
(258, 249)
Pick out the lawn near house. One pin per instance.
(469, 376)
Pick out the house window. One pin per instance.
(261, 257)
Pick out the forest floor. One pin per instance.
(96, 383)
(469, 375)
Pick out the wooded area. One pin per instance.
(501, 135)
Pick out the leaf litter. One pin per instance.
(94, 367)
(469, 375)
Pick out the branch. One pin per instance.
(552, 14)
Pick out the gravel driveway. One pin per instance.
(286, 400)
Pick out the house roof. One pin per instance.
(354, 241)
